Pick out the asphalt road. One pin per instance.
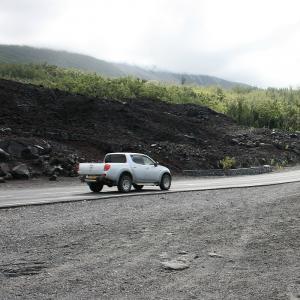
(14, 197)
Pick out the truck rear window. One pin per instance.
(115, 158)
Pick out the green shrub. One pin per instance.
(227, 163)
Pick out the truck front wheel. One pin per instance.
(165, 182)
(96, 187)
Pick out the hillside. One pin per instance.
(25, 54)
(50, 130)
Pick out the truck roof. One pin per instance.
(126, 153)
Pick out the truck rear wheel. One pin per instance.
(125, 183)
(96, 187)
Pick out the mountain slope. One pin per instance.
(25, 54)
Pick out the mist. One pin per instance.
(253, 42)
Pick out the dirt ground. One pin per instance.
(230, 244)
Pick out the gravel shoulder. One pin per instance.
(233, 244)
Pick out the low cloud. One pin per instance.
(250, 41)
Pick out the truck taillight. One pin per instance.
(106, 167)
(76, 168)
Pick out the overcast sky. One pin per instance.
(251, 41)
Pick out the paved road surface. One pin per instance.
(37, 195)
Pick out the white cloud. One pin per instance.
(251, 41)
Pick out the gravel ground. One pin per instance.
(230, 244)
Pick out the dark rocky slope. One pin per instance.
(49, 131)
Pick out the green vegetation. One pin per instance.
(228, 163)
(272, 108)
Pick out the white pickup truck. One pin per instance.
(125, 170)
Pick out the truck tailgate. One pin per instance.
(91, 169)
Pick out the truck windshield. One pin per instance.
(115, 158)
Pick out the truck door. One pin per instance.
(152, 172)
(139, 168)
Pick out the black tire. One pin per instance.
(165, 182)
(137, 187)
(125, 183)
(96, 187)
